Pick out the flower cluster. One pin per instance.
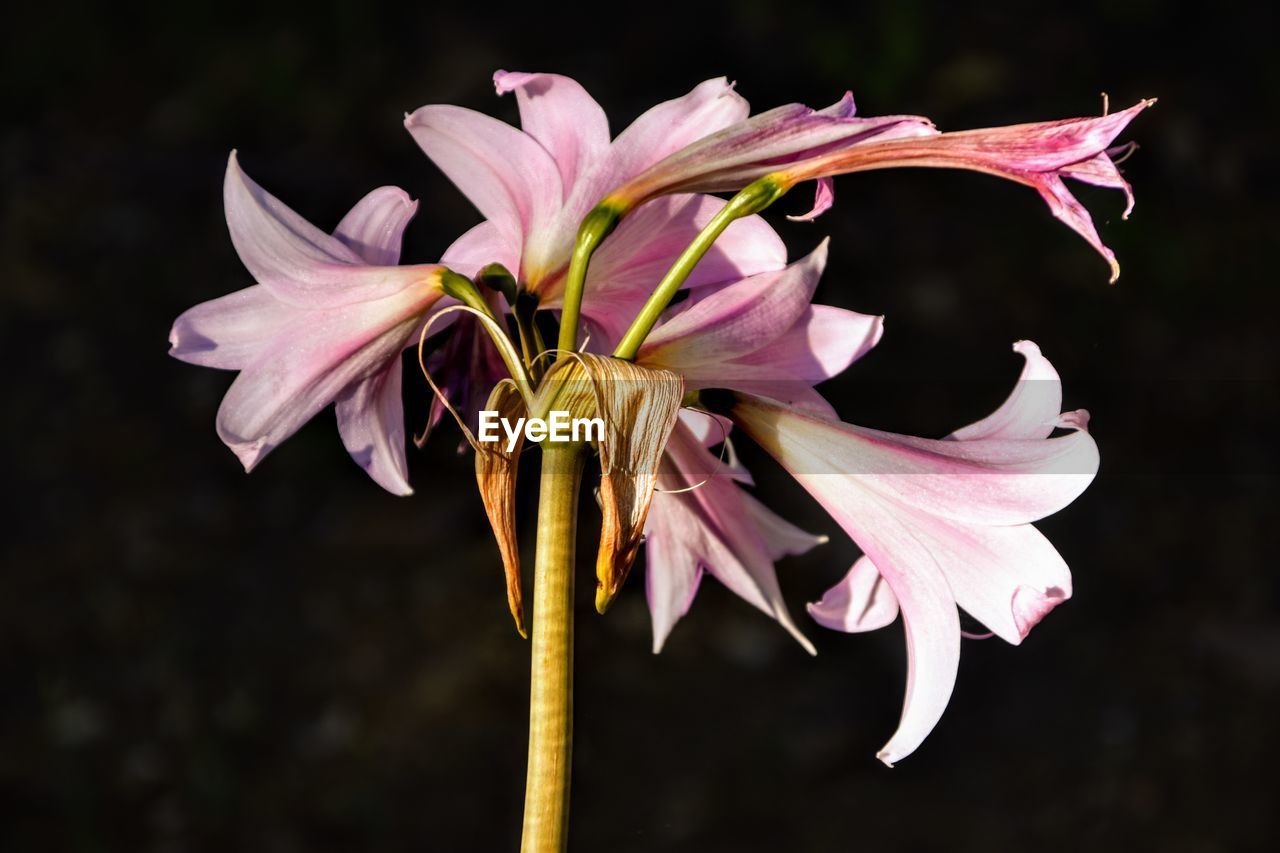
(580, 223)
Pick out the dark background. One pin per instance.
(193, 659)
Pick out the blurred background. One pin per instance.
(192, 659)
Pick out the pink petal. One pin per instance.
(303, 371)
(929, 614)
(507, 174)
(633, 260)
(861, 601)
(374, 227)
(991, 481)
(666, 128)
(732, 549)
(371, 423)
(924, 597)
(824, 195)
(478, 247)
(781, 538)
(708, 428)
(1007, 578)
(822, 344)
(1067, 210)
(663, 129)
(229, 332)
(674, 537)
(1042, 146)
(297, 262)
(765, 143)
(1032, 409)
(559, 113)
(648, 242)
(1101, 171)
(737, 319)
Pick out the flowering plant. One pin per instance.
(678, 321)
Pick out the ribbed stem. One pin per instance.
(546, 803)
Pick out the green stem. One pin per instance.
(546, 804)
(752, 199)
(597, 225)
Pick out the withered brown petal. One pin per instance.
(638, 406)
(496, 469)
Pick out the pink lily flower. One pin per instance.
(942, 523)
(794, 145)
(535, 184)
(760, 335)
(325, 323)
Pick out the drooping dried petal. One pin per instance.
(638, 406)
(496, 469)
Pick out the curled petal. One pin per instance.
(861, 601)
(375, 226)
(1101, 171)
(1033, 408)
(824, 195)
(1008, 578)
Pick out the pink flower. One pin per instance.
(326, 323)
(534, 185)
(943, 523)
(761, 335)
(794, 144)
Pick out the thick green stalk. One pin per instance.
(546, 803)
(753, 199)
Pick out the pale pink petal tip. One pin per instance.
(250, 453)
(1030, 605)
(861, 601)
(509, 81)
(1079, 420)
(1027, 349)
